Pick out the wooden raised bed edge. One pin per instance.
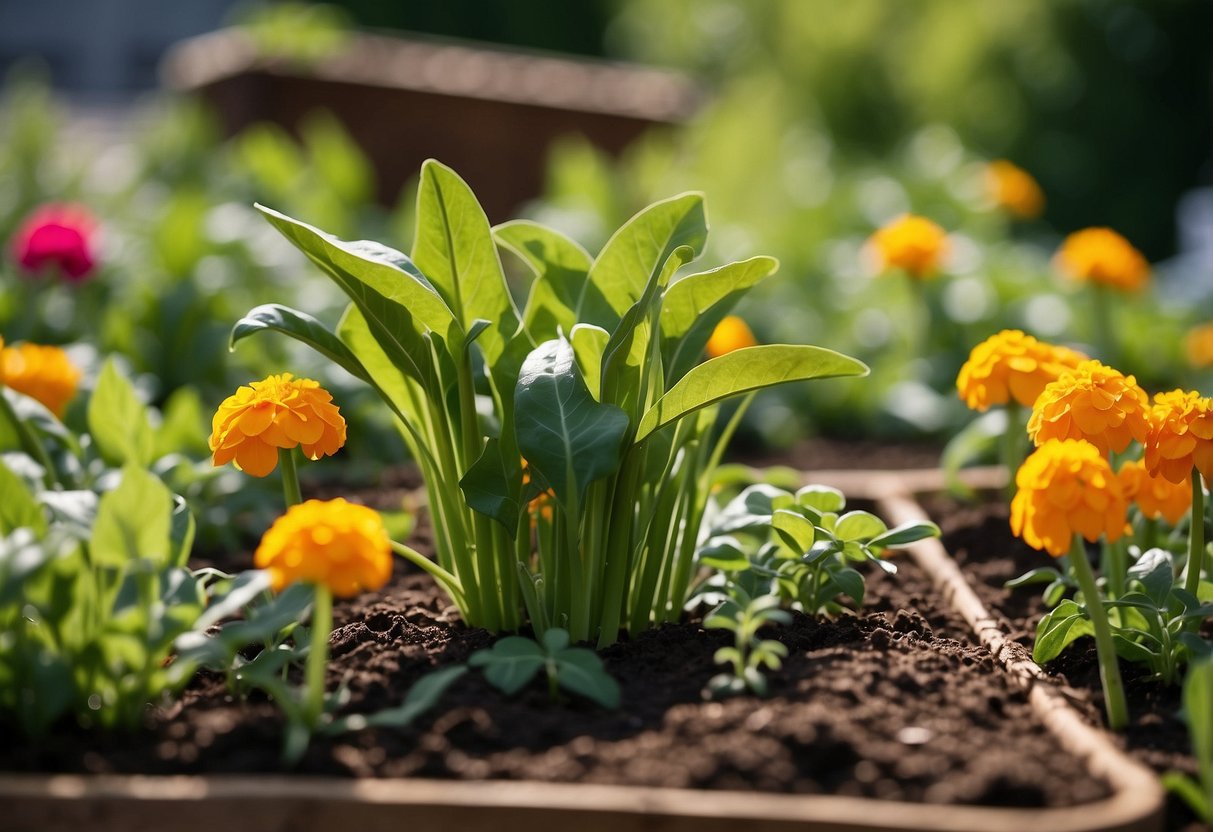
(110, 803)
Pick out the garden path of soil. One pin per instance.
(979, 538)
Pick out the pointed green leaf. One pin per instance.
(133, 522)
(741, 371)
(850, 583)
(634, 253)
(581, 671)
(589, 343)
(560, 266)
(1155, 571)
(118, 420)
(569, 438)
(423, 695)
(18, 508)
(492, 486)
(302, 327)
(904, 534)
(510, 664)
(454, 248)
(694, 305)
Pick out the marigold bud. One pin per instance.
(1198, 346)
(278, 412)
(62, 236)
(1014, 189)
(1180, 436)
(41, 372)
(1092, 402)
(912, 243)
(1155, 496)
(732, 333)
(1012, 365)
(333, 543)
(1100, 255)
(1065, 488)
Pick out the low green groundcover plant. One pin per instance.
(567, 448)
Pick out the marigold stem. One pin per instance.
(290, 477)
(1012, 445)
(318, 654)
(1109, 668)
(1196, 535)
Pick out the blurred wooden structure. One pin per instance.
(491, 114)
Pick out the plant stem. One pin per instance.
(449, 582)
(1109, 669)
(1104, 335)
(317, 657)
(1196, 535)
(1012, 445)
(290, 477)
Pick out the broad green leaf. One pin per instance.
(821, 498)
(581, 671)
(569, 438)
(794, 529)
(510, 664)
(751, 508)
(905, 533)
(724, 554)
(560, 266)
(397, 302)
(454, 248)
(118, 420)
(133, 522)
(492, 486)
(22, 556)
(637, 251)
(1132, 651)
(184, 426)
(423, 695)
(74, 511)
(741, 371)
(555, 639)
(18, 508)
(302, 327)
(1156, 572)
(860, 526)
(850, 583)
(1058, 629)
(694, 305)
(589, 343)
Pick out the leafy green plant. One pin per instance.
(749, 654)
(800, 546)
(511, 664)
(1198, 711)
(595, 384)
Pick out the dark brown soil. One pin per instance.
(897, 703)
(979, 538)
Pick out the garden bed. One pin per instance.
(892, 714)
(978, 537)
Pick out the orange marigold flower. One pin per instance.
(1092, 402)
(732, 333)
(279, 412)
(1155, 496)
(334, 543)
(1198, 345)
(1012, 365)
(1100, 255)
(1065, 488)
(1013, 188)
(912, 243)
(40, 372)
(1180, 436)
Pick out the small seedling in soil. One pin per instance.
(514, 661)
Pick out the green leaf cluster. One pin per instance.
(513, 662)
(566, 442)
(749, 654)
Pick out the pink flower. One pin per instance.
(60, 235)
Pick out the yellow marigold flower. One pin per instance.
(1012, 365)
(1092, 402)
(732, 333)
(1065, 488)
(1180, 436)
(912, 243)
(40, 372)
(334, 543)
(279, 412)
(1198, 345)
(1013, 188)
(1155, 496)
(1100, 255)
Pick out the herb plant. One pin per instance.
(595, 383)
(749, 654)
(511, 663)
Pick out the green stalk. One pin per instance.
(618, 553)
(317, 657)
(1104, 335)
(29, 442)
(1196, 535)
(1109, 669)
(290, 477)
(1012, 445)
(448, 581)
